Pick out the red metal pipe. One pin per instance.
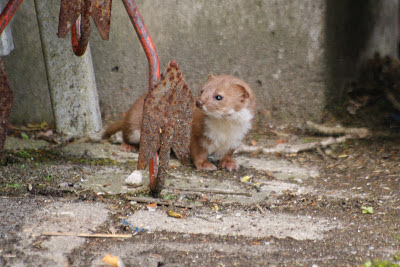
(8, 12)
(154, 66)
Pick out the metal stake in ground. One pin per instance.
(6, 100)
(167, 123)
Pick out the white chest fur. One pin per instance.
(228, 132)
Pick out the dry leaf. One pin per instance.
(253, 142)
(174, 214)
(245, 179)
(112, 260)
(268, 173)
(152, 206)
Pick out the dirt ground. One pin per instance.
(334, 206)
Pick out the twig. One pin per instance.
(159, 202)
(337, 130)
(293, 149)
(356, 132)
(212, 191)
(260, 208)
(322, 153)
(392, 99)
(88, 235)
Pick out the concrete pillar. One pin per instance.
(71, 79)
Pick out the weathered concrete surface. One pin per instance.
(50, 217)
(13, 143)
(311, 220)
(295, 55)
(244, 224)
(71, 79)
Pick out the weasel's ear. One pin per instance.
(244, 93)
(210, 76)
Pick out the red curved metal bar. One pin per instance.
(81, 31)
(8, 12)
(154, 66)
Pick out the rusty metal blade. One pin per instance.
(69, 13)
(183, 126)
(101, 14)
(167, 119)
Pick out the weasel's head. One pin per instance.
(223, 96)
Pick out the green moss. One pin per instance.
(379, 263)
(169, 197)
(38, 155)
(24, 154)
(12, 188)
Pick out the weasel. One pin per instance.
(222, 116)
(130, 126)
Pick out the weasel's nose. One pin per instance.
(199, 104)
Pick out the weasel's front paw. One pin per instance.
(229, 164)
(206, 166)
(128, 148)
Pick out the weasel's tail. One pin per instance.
(113, 128)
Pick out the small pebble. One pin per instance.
(135, 178)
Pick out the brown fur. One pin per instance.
(130, 126)
(228, 119)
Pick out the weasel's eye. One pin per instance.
(201, 91)
(218, 97)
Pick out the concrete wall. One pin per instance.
(276, 46)
(282, 48)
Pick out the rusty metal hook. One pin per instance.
(80, 32)
(6, 100)
(75, 16)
